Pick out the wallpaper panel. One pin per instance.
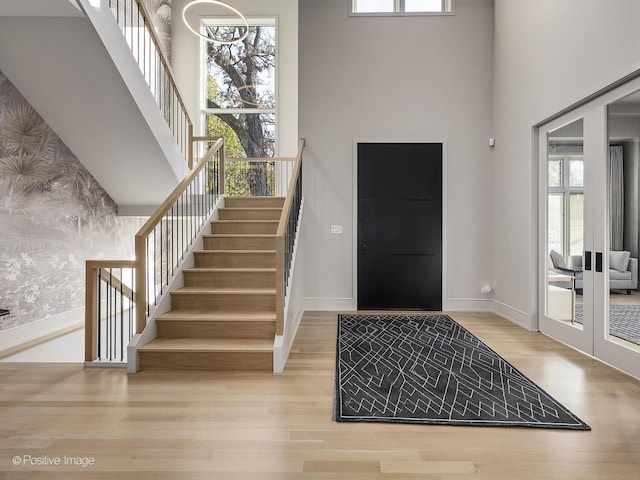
(160, 11)
(53, 217)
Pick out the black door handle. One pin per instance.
(587, 260)
(598, 261)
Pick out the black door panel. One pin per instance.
(400, 226)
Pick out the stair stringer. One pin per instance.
(293, 301)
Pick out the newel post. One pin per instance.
(90, 313)
(280, 285)
(141, 283)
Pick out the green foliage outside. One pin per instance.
(237, 174)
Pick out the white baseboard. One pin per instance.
(469, 305)
(330, 304)
(453, 304)
(514, 315)
(28, 332)
(282, 346)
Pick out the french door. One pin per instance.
(589, 228)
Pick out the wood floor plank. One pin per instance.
(246, 425)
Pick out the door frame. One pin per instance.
(354, 208)
(610, 351)
(581, 339)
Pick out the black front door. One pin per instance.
(400, 226)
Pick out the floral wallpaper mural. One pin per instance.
(53, 216)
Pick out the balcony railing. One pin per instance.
(138, 30)
(121, 294)
(110, 323)
(258, 177)
(164, 240)
(286, 235)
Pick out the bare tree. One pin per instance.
(242, 67)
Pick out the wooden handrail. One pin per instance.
(184, 120)
(141, 237)
(153, 221)
(280, 257)
(107, 277)
(206, 139)
(282, 225)
(163, 58)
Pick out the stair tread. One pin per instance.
(205, 315)
(251, 208)
(256, 198)
(246, 221)
(234, 251)
(208, 345)
(225, 290)
(241, 235)
(229, 270)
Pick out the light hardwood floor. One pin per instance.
(213, 425)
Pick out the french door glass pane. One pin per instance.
(622, 320)
(565, 222)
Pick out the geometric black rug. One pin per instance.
(429, 369)
(624, 321)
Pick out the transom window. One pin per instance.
(401, 7)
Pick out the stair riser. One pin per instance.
(239, 243)
(244, 227)
(235, 260)
(249, 202)
(214, 329)
(217, 361)
(223, 302)
(229, 279)
(224, 214)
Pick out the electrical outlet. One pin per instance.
(336, 229)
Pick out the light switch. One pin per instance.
(336, 229)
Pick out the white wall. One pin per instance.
(403, 78)
(186, 59)
(96, 101)
(548, 55)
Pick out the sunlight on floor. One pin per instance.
(67, 348)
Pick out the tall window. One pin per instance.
(401, 7)
(239, 100)
(566, 204)
(240, 86)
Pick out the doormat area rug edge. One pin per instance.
(429, 369)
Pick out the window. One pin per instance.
(566, 204)
(401, 7)
(239, 86)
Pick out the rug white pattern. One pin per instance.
(430, 369)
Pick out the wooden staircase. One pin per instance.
(224, 318)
